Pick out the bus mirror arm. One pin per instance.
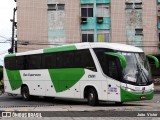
(119, 56)
(157, 64)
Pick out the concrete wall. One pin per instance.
(150, 26)
(118, 30)
(134, 20)
(32, 24)
(56, 24)
(72, 21)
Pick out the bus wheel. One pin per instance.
(25, 93)
(92, 97)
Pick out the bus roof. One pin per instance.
(76, 46)
(117, 46)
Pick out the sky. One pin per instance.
(6, 13)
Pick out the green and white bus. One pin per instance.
(96, 71)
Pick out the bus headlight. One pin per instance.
(129, 90)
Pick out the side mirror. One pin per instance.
(155, 60)
(120, 57)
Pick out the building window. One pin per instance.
(60, 6)
(102, 10)
(87, 38)
(138, 5)
(103, 37)
(139, 31)
(51, 6)
(56, 7)
(129, 5)
(86, 12)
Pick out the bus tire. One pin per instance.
(25, 93)
(92, 97)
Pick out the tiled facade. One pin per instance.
(32, 24)
(52, 22)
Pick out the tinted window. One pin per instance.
(20, 63)
(108, 63)
(68, 60)
(10, 63)
(83, 59)
(49, 61)
(112, 68)
(33, 61)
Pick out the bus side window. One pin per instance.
(49, 61)
(77, 59)
(59, 60)
(20, 63)
(68, 59)
(34, 61)
(87, 60)
(10, 63)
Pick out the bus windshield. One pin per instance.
(137, 69)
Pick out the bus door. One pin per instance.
(113, 76)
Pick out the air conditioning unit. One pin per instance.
(100, 20)
(83, 20)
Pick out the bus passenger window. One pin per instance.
(49, 61)
(68, 59)
(87, 60)
(20, 63)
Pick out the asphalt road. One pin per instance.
(59, 104)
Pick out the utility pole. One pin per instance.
(12, 49)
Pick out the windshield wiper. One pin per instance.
(141, 72)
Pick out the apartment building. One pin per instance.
(47, 23)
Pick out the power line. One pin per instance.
(3, 37)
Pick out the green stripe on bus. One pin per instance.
(129, 96)
(15, 79)
(60, 49)
(64, 79)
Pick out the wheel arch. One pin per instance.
(86, 88)
(23, 85)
